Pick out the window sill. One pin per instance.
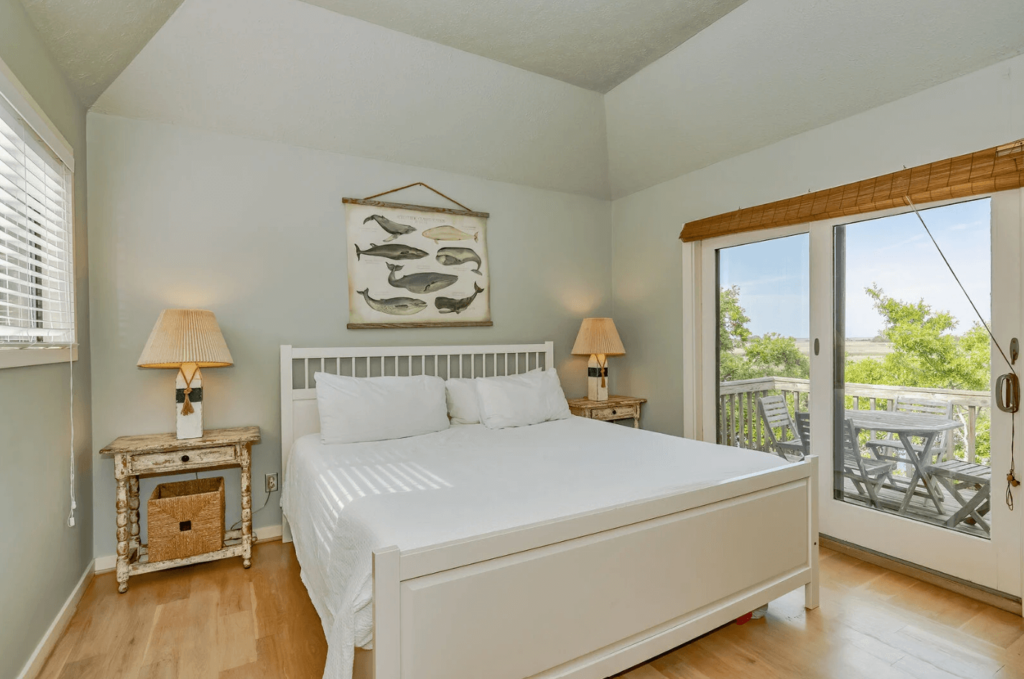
(20, 358)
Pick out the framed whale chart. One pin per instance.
(411, 266)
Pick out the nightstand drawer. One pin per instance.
(614, 413)
(180, 460)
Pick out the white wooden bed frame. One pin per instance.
(585, 596)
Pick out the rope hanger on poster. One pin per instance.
(409, 186)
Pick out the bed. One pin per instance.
(571, 548)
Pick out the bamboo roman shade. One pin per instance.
(996, 169)
(36, 264)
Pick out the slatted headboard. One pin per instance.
(299, 414)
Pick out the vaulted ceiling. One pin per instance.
(595, 44)
(94, 40)
(662, 87)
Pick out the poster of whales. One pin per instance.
(412, 266)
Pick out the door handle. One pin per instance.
(1008, 393)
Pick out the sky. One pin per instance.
(893, 252)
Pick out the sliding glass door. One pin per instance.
(763, 354)
(852, 341)
(913, 366)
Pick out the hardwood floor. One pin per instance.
(218, 620)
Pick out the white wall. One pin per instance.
(976, 111)
(288, 71)
(254, 231)
(41, 559)
(771, 69)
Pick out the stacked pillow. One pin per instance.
(361, 409)
(513, 401)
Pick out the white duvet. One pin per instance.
(343, 501)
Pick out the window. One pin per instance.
(37, 293)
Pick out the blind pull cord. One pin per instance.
(1011, 476)
(71, 371)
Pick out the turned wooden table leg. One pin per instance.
(246, 507)
(134, 540)
(122, 533)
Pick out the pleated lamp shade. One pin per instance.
(185, 336)
(598, 336)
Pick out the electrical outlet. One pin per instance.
(271, 483)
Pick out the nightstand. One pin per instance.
(615, 408)
(151, 454)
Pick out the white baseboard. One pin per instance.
(41, 654)
(268, 533)
(107, 563)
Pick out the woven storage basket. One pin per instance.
(186, 518)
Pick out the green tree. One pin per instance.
(742, 356)
(732, 336)
(776, 355)
(927, 353)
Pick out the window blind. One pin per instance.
(36, 239)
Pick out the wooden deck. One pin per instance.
(920, 509)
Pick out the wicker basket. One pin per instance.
(186, 518)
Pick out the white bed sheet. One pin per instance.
(343, 501)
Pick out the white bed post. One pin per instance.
(387, 614)
(811, 588)
(286, 425)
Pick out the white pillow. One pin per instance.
(358, 409)
(521, 400)
(462, 406)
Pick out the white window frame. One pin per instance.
(1000, 556)
(11, 89)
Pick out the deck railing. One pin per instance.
(739, 424)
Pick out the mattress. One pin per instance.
(343, 501)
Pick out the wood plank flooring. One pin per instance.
(218, 620)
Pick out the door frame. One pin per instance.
(994, 563)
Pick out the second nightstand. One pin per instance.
(615, 408)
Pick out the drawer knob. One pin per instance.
(184, 458)
(615, 412)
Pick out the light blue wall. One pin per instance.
(255, 231)
(41, 559)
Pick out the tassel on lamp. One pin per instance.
(186, 340)
(598, 339)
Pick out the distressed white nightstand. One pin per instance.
(151, 454)
(615, 408)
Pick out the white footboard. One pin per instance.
(594, 594)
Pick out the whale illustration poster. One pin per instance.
(411, 266)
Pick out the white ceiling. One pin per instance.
(293, 72)
(594, 44)
(290, 72)
(772, 69)
(94, 40)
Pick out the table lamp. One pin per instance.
(598, 339)
(186, 339)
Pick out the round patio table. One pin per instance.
(904, 425)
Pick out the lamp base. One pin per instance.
(189, 426)
(596, 376)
